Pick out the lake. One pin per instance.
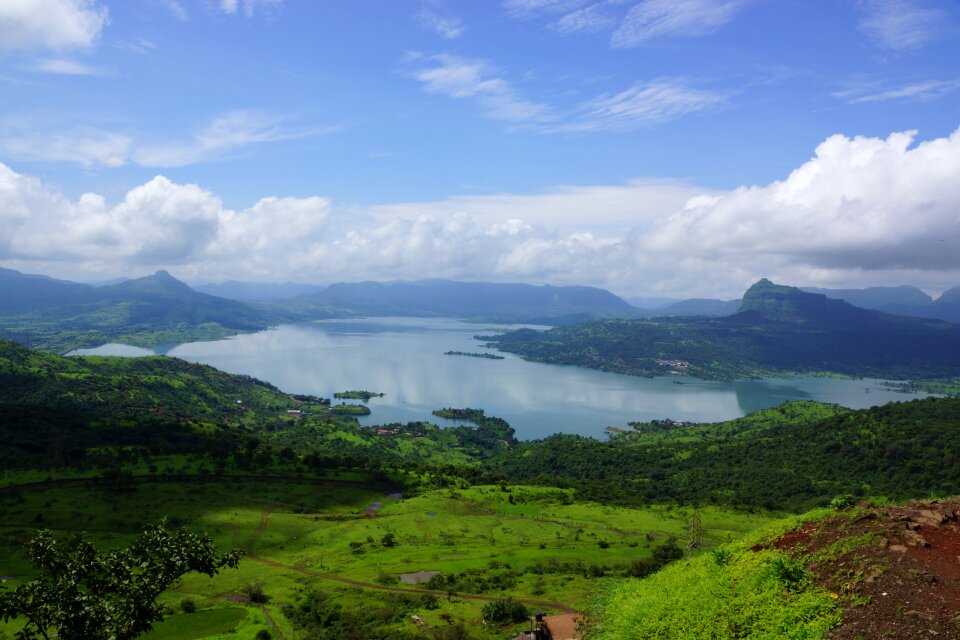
(404, 359)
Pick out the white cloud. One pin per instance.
(86, 146)
(225, 134)
(50, 24)
(900, 25)
(69, 67)
(523, 9)
(651, 19)
(642, 105)
(436, 17)
(458, 77)
(640, 22)
(861, 204)
(49, 139)
(862, 211)
(249, 7)
(176, 9)
(923, 91)
(592, 19)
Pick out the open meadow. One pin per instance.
(341, 544)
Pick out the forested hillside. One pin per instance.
(61, 316)
(777, 330)
(790, 457)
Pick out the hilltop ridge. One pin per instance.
(778, 330)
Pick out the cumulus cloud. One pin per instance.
(50, 24)
(861, 211)
(860, 204)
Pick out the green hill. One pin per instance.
(793, 457)
(777, 330)
(60, 316)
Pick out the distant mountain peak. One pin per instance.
(789, 304)
(160, 282)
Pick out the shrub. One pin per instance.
(844, 501)
(188, 606)
(505, 610)
(253, 591)
(263, 634)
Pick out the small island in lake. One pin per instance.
(488, 356)
(357, 395)
(345, 409)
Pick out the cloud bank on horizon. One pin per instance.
(656, 147)
(859, 209)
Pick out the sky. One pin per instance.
(681, 148)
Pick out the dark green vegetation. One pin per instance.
(84, 594)
(472, 300)
(333, 514)
(357, 395)
(778, 330)
(60, 316)
(792, 457)
(488, 356)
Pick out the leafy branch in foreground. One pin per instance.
(82, 593)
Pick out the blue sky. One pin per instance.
(676, 147)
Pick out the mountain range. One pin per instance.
(903, 300)
(485, 301)
(60, 316)
(777, 330)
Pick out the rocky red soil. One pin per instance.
(896, 568)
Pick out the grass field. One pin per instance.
(531, 543)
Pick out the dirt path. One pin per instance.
(265, 520)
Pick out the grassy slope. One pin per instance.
(298, 535)
(735, 592)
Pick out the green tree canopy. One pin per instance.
(83, 594)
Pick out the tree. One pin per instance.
(83, 594)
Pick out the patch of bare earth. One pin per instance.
(897, 569)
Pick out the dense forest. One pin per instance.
(794, 456)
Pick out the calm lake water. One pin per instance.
(404, 358)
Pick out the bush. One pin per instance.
(188, 606)
(387, 578)
(253, 591)
(263, 634)
(843, 502)
(505, 610)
